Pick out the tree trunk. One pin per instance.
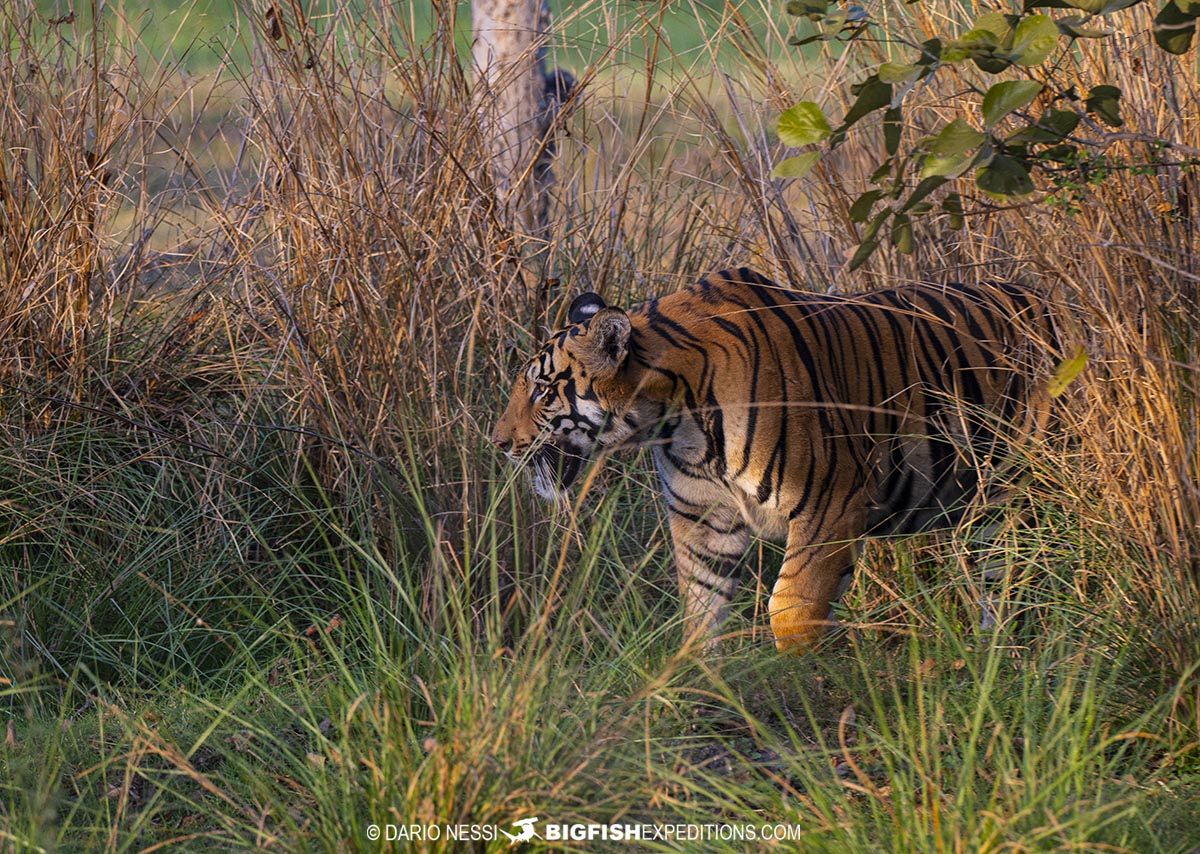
(517, 101)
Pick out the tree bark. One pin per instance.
(517, 101)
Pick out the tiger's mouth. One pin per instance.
(554, 470)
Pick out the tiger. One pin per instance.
(817, 420)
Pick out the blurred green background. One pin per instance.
(201, 33)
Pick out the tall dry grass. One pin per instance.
(1116, 245)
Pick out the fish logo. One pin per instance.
(527, 832)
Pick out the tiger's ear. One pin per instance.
(606, 344)
(584, 306)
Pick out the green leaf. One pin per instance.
(1060, 122)
(1104, 102)
(997, 23)
(898, 72)
(1066, 371)
(957, 137)
(1034, 40)
(864, 252)
(1073, 27)
(1094, 7)
(931, 52)
(834, 22)
(803, 124)
(807, 8)
(1005, 176)
(1174, 29)
(902, 234)
(1107, 7)
(1003, 98)
(1110, 6)
(893, 127)
(950, 166)
(861, 209)
(1061, 154)
(992, 58)
(873, 227)
(796, 167)
(978, 38)
(923, 189)
(991, 62)
(952, 205)
(873, 94)
(1053, 126)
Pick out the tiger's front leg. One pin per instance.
(818, 567)
(708, 544)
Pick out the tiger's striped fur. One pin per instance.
(813, 419)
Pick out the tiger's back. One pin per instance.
(900, 393)
(817, 419)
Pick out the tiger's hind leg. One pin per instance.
(709, 544)
(817, 569)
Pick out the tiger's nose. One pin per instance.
(501, 443)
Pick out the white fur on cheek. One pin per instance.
(545, 485)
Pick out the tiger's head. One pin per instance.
(564, 398)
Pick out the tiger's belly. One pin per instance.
(694, 480)
(695, 477)
(766, 522)
(700, 494)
